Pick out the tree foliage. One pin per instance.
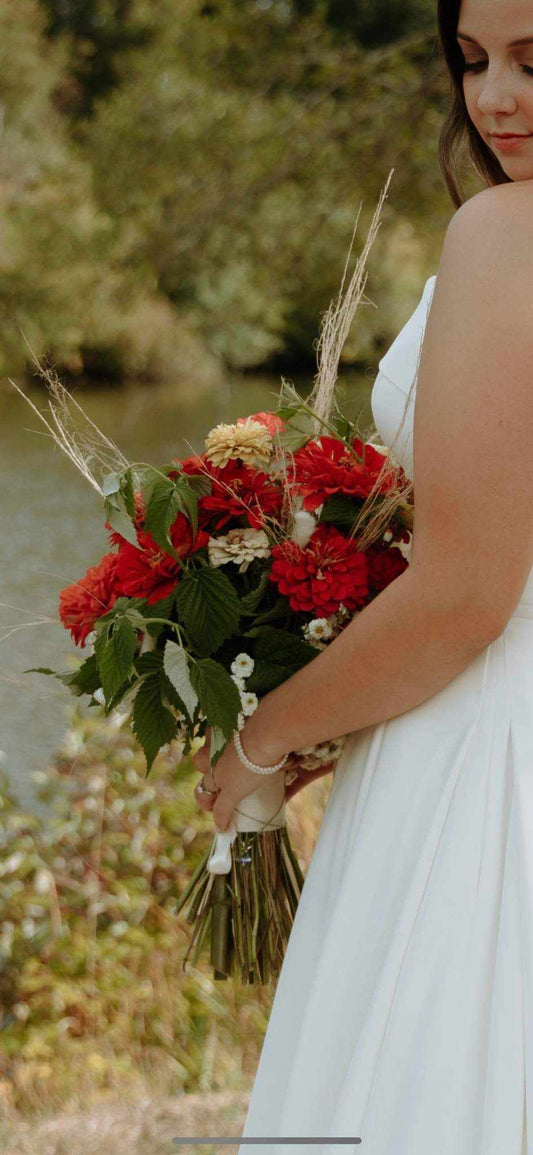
(187, 175)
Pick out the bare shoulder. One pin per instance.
(501, 213)
(487, 252)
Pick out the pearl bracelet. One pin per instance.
(252, 765)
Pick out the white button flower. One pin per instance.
(242, 666)
(249, 703)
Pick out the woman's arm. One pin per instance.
(473, 530)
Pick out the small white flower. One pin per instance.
(319, 630)
(249, 703)
(239, 682)
(242, 665)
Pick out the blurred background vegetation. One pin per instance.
(179, 182)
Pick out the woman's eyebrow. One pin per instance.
(512, 44)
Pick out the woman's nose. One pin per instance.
(495, 95)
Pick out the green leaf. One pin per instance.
(280, 609)
(252, 600)
(125, 643)
(114, 655)
(208, 606)
(84, 680)
(200, 483)
(286, 412)
(188, 501)
(150, 662)
(277, 655)
(176, 667)
(218, 744)
(152, 724)
(163, 507)
(120, 522)
(340, 509)
(42, 670)
(218, 695)
(160, 609)
(111, 484)
(127, 490)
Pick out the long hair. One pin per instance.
(459, 141)
(459, 136)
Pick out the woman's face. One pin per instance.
(498, 79)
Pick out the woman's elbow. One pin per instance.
(471, 615)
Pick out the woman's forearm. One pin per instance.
(400, 650)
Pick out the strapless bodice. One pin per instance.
(390, 399)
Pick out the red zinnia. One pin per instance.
(81, 605)
(236, 491)
(385, 563)
(326, 466)
(271, 420)
(149, 572)
(330, 571)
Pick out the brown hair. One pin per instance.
(459, 136)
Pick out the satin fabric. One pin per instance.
(403, 1013)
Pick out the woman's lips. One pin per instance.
(507, 142)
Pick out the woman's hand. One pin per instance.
(230, 778)
(304, 777)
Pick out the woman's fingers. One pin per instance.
(202, 763)
(205, 801)
(222, 810)
(305, 777)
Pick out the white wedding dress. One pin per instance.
(403, 1013)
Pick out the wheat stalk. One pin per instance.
(336, 322)
(85, 448)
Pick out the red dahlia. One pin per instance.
(326, 466)
(237, 491)
(149, 572)
(385, 563)
(81, 605)
(330, 571)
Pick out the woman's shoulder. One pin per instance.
(507, 204)
(488, 243)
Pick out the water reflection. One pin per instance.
(52, 530)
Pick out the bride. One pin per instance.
(403, 1014)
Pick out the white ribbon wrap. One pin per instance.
(263, 809)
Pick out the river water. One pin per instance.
(52, 530)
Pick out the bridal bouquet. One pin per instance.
(227, 571)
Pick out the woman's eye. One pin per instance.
(475, 65)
